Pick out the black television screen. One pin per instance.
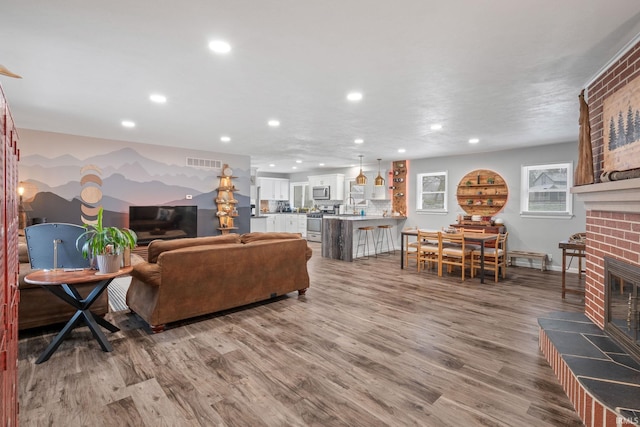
(163, 222)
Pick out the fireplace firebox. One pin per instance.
(622, 318)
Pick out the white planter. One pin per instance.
(109, 263)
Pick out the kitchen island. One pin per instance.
(340, 233)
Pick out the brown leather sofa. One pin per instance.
(190, 277)
(39, 307)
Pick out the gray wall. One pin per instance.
(525, 233)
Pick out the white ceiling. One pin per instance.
(507, 72)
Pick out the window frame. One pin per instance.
(420, 193)
(525, 190)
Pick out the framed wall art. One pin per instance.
(621, 121)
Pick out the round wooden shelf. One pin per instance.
(482, 192)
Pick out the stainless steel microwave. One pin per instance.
(321, 193)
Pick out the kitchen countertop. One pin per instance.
(282, 213)
(362, 218)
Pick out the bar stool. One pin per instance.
(384, 233)
(365, 232)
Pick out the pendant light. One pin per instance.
(379, 182)
(361, 179)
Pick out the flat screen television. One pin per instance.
(163, 222)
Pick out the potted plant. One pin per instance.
(490, 202)
(469, 201)
(468, 183)
(106, 244)
(491, 180)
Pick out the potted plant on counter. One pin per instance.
(106, 244)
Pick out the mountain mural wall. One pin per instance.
(127, 174)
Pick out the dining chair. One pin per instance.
(454, 252)
(428, 249)
(52, 245)
(495, 258)
(472, 246)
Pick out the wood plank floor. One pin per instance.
(368, 345)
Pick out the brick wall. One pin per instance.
(608, 233)
(612, 234)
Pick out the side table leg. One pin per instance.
(105, 323)
(53, 346)
(96, 331)
(564, 270)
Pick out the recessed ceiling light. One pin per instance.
(436, 126)
(225, 139)
(294, 167)
(401, 150)
(320, 164)
(271, 165)
(358, 140)
(354, 96)
(220, 46)
(157, 98)
(298, 161)
(474, 141)
(274, 123)
(128, 124)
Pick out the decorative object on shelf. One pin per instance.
(227, 210)
(486, 198)
(361, 179)
(106, 244)
(399, 206)
(379, 181)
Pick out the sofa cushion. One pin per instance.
(158, 246)
(23, 253)
(257, 236)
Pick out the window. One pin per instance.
(545, 189)
(432, 192)
(300, 195)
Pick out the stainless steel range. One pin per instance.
(314, 226)
(314, 222)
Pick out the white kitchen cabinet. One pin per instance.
(274, 188)
(335, 182)
(281, 223)
(271, 223)
(302, 225)
(258, 224)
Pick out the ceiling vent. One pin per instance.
(195, 162)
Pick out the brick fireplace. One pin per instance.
(600, 393)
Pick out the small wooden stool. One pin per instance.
(365, 232)
(384, 233)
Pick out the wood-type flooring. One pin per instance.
(368, 345)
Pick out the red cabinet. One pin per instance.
(9, 294)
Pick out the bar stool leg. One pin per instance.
(366, 233)
(384, 233)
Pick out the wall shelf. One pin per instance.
(226, 203)
(482, 192)
(398, 185)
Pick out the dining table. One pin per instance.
(475, 238)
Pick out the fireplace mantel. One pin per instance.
(613, 196)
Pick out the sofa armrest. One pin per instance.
(147, 272)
